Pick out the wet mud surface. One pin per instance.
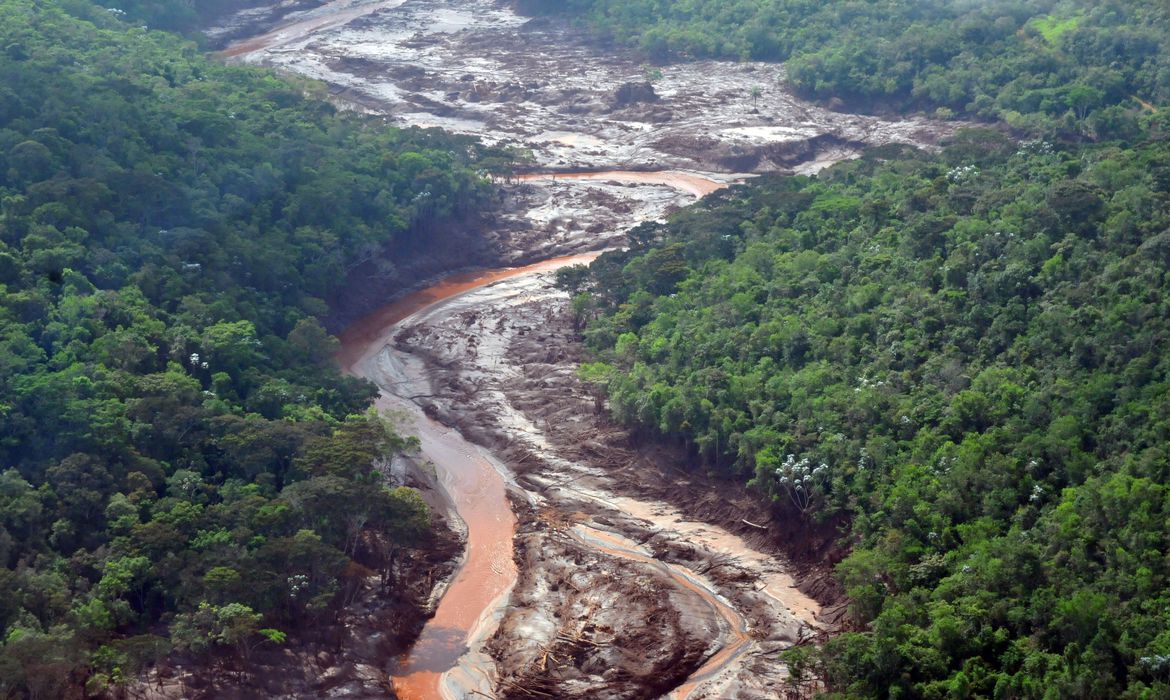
(610, 534)
(596, 565)
(476, 67)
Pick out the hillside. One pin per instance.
(964, 355)
(174, 437)
(959, 354)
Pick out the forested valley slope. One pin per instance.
(961, 354)
(965, 355)
(1072, 65)
(182, 467)
(956, 357)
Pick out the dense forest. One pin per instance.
(1044, 66)
(181, 465)
(964, 354)
(961, 354)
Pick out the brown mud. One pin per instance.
(541, 216)
(444, 655)
(568, 638)
(599, 551)
(477, 67)
(632, 573)
(263, 25)
(695, 185)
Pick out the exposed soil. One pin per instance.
(569, 638)
(258, 22)
(549, 392)
(541, 216)
(632, 574)
(448, 654)
(501, 366)
(475, 66)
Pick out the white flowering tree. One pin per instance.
(800, 479)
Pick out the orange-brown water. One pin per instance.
(361, 339)
(478, 494)
(474, 486)
(476, 490)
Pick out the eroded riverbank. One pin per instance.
(445, 654)
(630, 577)
(627, 601)
(687, 633)
(477, 67)
(589, 617)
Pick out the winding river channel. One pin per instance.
(474, 482)
(445, 661)
(476, 67)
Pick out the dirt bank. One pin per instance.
(548, 392)
(257, 23)
(590, 624)
(540, 217)
(501, 367)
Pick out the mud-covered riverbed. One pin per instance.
(476, 67)
(621, 593)
(617, 596)
(629, 577)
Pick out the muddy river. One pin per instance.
(447, 660)
(578, 580)
(474, 485)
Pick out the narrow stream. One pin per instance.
(691, 183)
(474, 486)
(445, 661)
